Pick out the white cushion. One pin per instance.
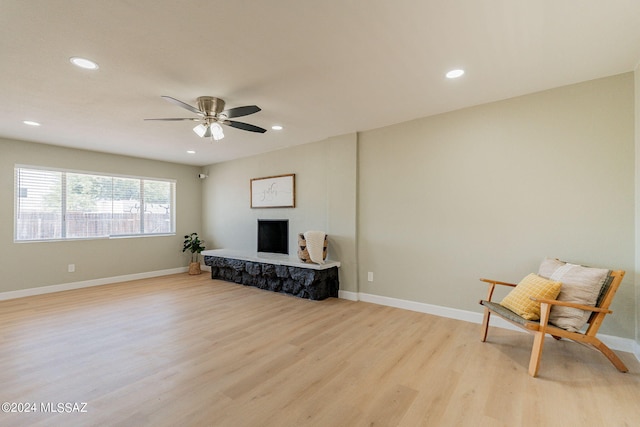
(580, 285)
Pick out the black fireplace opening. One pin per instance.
(273, 236)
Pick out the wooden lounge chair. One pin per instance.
(542, 327)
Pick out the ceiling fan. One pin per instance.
(211, 115)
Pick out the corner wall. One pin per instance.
(491, 190)
(637, 206)
(325, 199)
(37, 264)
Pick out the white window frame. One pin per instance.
(63, 191)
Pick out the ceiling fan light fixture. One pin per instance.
(216, 131)
(201, 130)
(213, 130)
(211, 114)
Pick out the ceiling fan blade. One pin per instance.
(183, 105)
(241, 111)
(244, 126)
(176, 119)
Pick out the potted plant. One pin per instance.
(193, 244)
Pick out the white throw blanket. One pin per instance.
(315, 245)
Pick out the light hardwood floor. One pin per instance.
(190, 351)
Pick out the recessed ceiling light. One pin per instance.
(454, 74)
(276, 127)
(191, 152)
(83, 63)
(30, 123)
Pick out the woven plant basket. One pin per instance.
(194, 268)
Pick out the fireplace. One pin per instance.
(273, 236)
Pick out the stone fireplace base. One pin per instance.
(275, 273)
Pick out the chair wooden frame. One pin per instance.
(540, 328)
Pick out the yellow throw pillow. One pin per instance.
(531, 286)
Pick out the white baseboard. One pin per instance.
(616, 343)
(348, 295)
(88, 283)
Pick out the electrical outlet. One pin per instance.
(71, 268)
(370, 276)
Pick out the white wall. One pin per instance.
(489, 191)
(325, 199)
(36, 264)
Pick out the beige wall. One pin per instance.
(325, 199)
(31, 265)
(489, 191)
(637, 199)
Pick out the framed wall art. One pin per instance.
(274, 191)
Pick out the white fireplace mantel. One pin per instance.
(269, 258)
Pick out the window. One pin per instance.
(58, 204)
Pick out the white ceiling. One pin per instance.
(319, 68)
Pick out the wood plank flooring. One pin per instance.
(186, 350)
